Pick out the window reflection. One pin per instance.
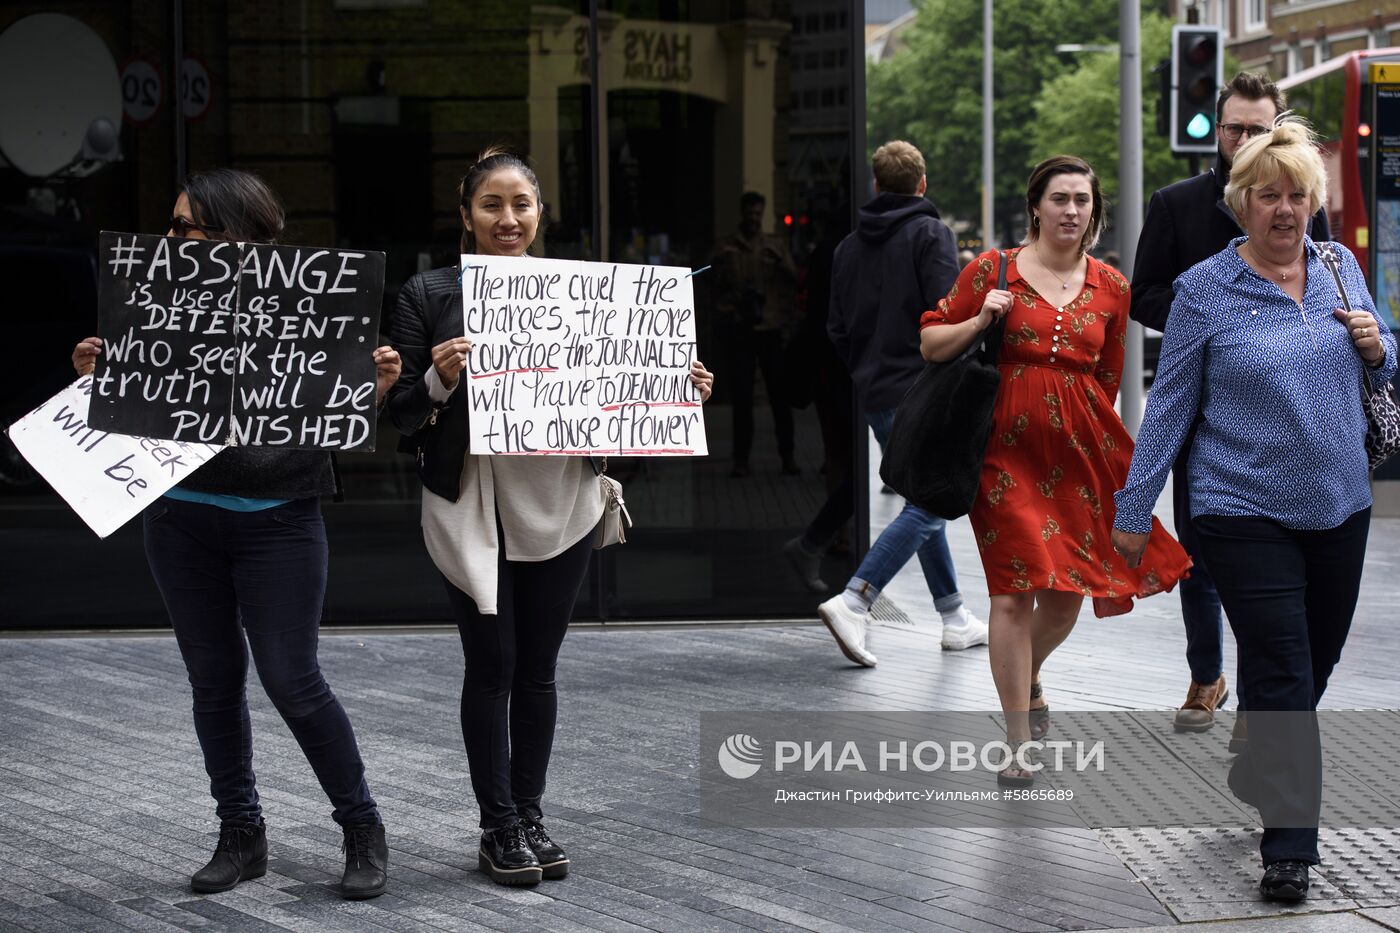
(363, 114)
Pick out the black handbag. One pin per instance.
(1382, 411)
(939, 438)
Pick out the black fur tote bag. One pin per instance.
(941, 428)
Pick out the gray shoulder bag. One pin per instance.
(612, 527)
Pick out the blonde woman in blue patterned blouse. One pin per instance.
(1261, 353)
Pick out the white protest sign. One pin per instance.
(106, 478)
(580, 358)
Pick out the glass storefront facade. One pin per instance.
(363, 115)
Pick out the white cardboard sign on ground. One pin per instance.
(106, 478)
(580, 358)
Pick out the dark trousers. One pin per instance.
(1200, 603)
(509, 703)
(1289, 596)
(225, 575)
(760, 350)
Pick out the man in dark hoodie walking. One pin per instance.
(897, 264)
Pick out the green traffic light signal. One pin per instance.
(1195, 83)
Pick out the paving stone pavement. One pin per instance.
(104, 811)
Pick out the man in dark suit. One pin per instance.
(1186, 223)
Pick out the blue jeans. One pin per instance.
(224, 574)
(912, 531)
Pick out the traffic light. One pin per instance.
(1197, 63)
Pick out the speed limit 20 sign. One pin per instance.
(194, 88)
(141, 90)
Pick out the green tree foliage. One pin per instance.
(1078, 112)
(1045, 102)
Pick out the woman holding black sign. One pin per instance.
(240, 547)
(510, 535)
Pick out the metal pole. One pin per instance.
(1130, 192)
(177, 95)
(988, 182)
(595, 132)
(859, 180)
(601, 573)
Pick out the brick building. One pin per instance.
(1284, 37)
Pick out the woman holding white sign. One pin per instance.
(510, 535)
(240, 547)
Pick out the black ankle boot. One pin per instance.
(553, 862)
(505, 855)
(241, 854)
(366, 862)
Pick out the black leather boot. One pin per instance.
(505, 855)
(241, 854)
(366, 862)
(553, 862)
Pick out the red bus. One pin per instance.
(1353, 101)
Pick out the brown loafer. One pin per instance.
(1197, 714)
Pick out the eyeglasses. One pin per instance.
(1233, 131)
(182, 227)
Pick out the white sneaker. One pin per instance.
(971, 633)
(848, 628)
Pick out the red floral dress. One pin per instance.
(1044, 512)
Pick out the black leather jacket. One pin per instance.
(429, 312)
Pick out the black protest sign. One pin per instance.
(237, 343)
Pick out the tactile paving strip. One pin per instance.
(1157, 777)
(1213, 874)
(1147, 783)
(1208, 874)
(1364, 864)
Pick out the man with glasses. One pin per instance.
(1186, 223)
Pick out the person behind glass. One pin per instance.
(511, 536)
(238, 551)
(755, 297)
(1058, 449)
(1186, 223)
(1279, 486)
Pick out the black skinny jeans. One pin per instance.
(1289, 596)
(224, 575)
(509, 704)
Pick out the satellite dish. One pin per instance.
(57, 80)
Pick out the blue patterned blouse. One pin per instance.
(1277, 388)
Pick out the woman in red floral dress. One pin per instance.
(1044, 513)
